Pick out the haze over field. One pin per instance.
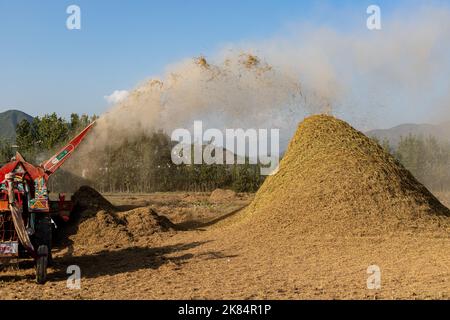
(358, 75)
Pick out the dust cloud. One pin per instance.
(369, 78)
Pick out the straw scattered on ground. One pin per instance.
(338, 205)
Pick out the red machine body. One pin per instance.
(23, 188)
(36, 178)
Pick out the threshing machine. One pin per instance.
(26, 210)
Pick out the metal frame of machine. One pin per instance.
(26, 209)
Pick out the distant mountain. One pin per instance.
(440, 132)
(9, 121)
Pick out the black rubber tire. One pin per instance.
(43, 233)
(41, 264)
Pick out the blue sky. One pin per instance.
(44, 67)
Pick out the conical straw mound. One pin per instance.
(336, 181)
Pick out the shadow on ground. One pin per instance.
(134, 259)
(123, 260)
(201, 225)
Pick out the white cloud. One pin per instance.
(117, 96)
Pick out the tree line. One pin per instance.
(427, 158)
(142, 165)
(145, 165)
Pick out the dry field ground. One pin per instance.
(211, 257)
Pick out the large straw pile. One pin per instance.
(335, 181)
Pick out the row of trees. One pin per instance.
(141, 165)
(36, 140)
(145, 165)
(427, 158)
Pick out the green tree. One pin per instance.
(411, 153)
(75, 123)
(25, 137)
(52, 130)
(6, 151)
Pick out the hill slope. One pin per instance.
(9, 121)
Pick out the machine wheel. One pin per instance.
(43, 234)
(41, 264)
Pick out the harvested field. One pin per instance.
(338, 205)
